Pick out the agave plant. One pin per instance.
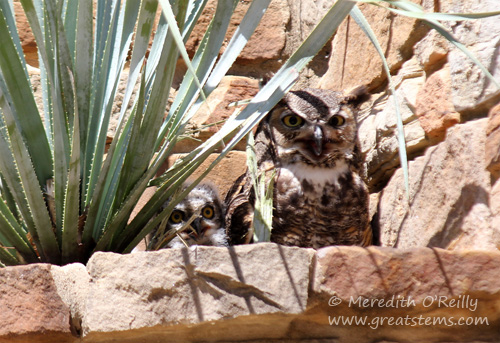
(63, 196)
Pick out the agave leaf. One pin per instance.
(70, 239)
(360, 19)
(7, 7)
(83, 70)
(194, 10)
(25, 111)
(41, 227)
(15, 235)
(104, 85)
(7, 259)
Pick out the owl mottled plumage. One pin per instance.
(208, 226)
(310, 138)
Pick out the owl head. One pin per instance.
(314, 126)
(207, 227)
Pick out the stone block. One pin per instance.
(195, 285)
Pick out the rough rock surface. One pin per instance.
(224, 173)
(434, 106)
(470, 88)
(449, 197)
(31, 305)
(264, 48)
(189, 286)
(492, 153)
(417, 288)
(355, 61)
(211, 116)
(378, 134)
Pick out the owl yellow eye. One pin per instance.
(292, 121)
(176, 217)
(207, 212)
(337, 121)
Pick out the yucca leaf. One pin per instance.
(360, 19)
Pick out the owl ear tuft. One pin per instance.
(356, 95)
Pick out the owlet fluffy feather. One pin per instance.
(206, 229)
(310, 138)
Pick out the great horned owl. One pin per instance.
(310, 138)
(207, 228)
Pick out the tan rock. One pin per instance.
(31, 305)
(472, 91)
(431, 51)
(188, 286)
(492, 149)
(28, 42)
(355, 61)
(378, 133)
(210, 117)
(449, 204)
(263, 50)
(418, 284)
(224, 173)
(72, 284)
(434, 106)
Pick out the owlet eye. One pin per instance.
(176, 217)
(207, 212)
(337, 121)
(293, 121)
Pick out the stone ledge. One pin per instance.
(255, 293)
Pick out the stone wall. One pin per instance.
(256, 293)
(447, 232)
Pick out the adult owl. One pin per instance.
(203, 206)
(310, 139)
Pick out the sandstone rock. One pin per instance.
(434, 107)
(378, 128)
(492, 149)
(224, 173)
(28, 42)
(348, 279)
(31, 306)
(211, 116)
(72, 284)
(449, 204)
(431, 51)
(470, 87)
(188, 286)
(263, 50)
(355, 61)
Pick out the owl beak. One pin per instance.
(318, 141)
